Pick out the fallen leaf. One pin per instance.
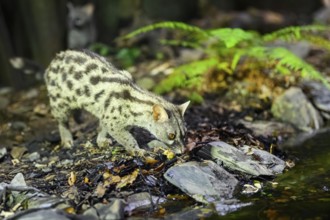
(72, 179)
(128, 179)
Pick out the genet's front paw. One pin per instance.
(103, 142)
(67, 143)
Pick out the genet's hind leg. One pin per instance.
(102, 140)
(62, 116)
(66, 136)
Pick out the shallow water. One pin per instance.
(303, 192)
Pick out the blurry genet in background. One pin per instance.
(81, 26)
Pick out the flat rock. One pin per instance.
(270, 161)
(234, 159)
(294, 107)
(113, 210)
(204, 181)
(268, 128)
(319, 94)
(141, 200)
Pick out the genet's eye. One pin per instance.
(171, 136)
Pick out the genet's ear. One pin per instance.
(70, 6)
(183, 107)
(159, 113)
(89, 9)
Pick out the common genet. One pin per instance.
(84, 80)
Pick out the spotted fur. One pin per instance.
(85, 80)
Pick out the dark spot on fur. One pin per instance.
(52, 82)
(114, 118)
(71, 69)
(95, 80)
(55, 69)
(77, 75)
(104, 70)
(107, 102)
(87, 91)
(91, 67)
(69, 84)
(136, 114)
(126, 95)
(119, 109)
(64, 76)
(80, 60)
(53, 98)
(112, 110)
(68, 59)
(98, 95)
(78, 92)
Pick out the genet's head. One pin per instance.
(169, 125)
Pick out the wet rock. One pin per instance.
(3, 152)
(319, 94)
(18, 180)
(224, 207)
(235, 159)
(204, 181)
(294, 107)
(111, 211)
(141, 201)
(34, 156)
(270, 161)
(17, 152)
(18, 126)
(41, 214)
(268, 128)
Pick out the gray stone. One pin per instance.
(224, 207)
(141, 200)
(34, 156)
(234, 159)
(268, 128)
(111, 211)
(319, 94)
(41, 214)
(204, 181)
(3, 152)
(270, 161)
(294, 107)
(18, 180)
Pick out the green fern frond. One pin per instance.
(167, 25)
(318, 41)
(293, 32)
(287, 62)
(187, 75)
(231, 36)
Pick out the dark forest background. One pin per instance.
(37, 29)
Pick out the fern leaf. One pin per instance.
(186, 75)
(287, 59)
(293, 32)
(167, 25)
(231, 36)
